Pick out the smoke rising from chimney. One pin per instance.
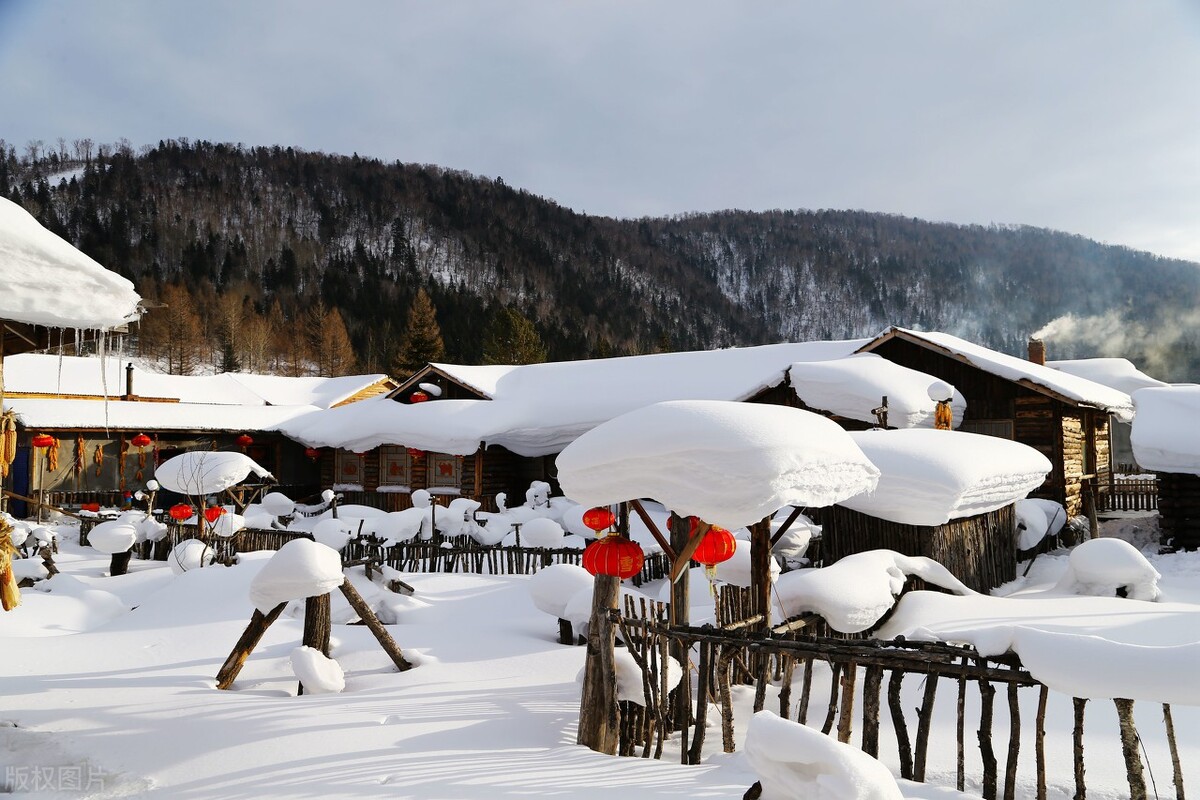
(1165, 349)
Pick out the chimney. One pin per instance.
(129, 381)
(1037, 351)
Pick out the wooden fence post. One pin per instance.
(599, 715)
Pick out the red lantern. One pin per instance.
(245, 440)
(141, 440)
(180, 511)
(93, 507)
(312, 453)
(418, 397)
(613, 555)
(212, 513)
(717, 545)
(43, 440)
(414, 452)
(599, 518)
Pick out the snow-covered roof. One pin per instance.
(280, 390)
(731, 464)
(48, 282)
(1036, 376)
(1115, 373)
(930, 477)
(538, 409)
(1166, 436)
(149, 416)
(851, 387)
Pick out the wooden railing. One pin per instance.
(855, 668)
(1140, 494)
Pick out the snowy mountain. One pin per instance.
(282, 225)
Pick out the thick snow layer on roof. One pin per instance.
(280, 390)
(482, 378)
(48, 282)
(142, 416)
(851, 387)
(731, 464)
(1166, 433)
(96, 377)
(1012, 368)
(1115, 373)
(539, 409)
(930, 477)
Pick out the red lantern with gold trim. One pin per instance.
(43, 440)
(180, 511)
(141, 440)
(415, 452)
(613, 555)
(418, 397)
(599, 518)
(717, 545)
(312, 453)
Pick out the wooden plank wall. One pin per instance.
(1179, 510)
(980, 550)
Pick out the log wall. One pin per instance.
(980, 550)
(1179, 510)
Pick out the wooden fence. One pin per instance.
(1140, 494)
(723, 659)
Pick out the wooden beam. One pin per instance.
(654, 531)
(787, 524)
(681, 561)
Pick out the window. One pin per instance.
(1002, 428)
(445, 471)
(395, 469)
(348, 470)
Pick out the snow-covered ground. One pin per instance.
(108, 691)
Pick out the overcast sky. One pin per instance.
(1078, 115)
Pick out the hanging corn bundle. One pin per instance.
(52, 454)
(8, 448)
(98, 459)
(10, 595)
(80, 457)
(122, 452)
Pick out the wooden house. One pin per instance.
(1063, 416)
(478, 431)
(1166, 440)
(94, 409)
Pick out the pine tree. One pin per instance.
(421, 341)
(329, 342)
(172, 333)
(512, 339)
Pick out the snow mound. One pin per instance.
(1101, 567)
(206, 471)
(1038, 519)
(188, 555)
(851, 387)
(553, 587)
(731, 464)
(333, 533)
(629, 677)
(795, 761)
(114, 536)
(541, 532)
(930, 477)
(301, 568)
(854, 593)
(318, 673)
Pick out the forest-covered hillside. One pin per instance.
(266, 246)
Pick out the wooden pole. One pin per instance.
(1176, 767)
(679, 614)
(988, 755)
(1129, 749)
(961, 736)
(375, 626)
(760, 571)
(871, 686)
(924, 723)
(703, 687)
(897, 713)
(1014, 743)
(1039, 742)
(259, 622)
(846, 712)
(599, 715)
(1077, 740)
(318, 625)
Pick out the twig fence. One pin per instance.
(1140, 494)
(721, 659)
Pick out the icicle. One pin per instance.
(79, 341)
(61, 332)
(102, 339)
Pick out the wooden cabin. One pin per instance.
(1063, 416)
(96, 459)
(1166, 440)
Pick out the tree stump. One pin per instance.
(599, 715)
